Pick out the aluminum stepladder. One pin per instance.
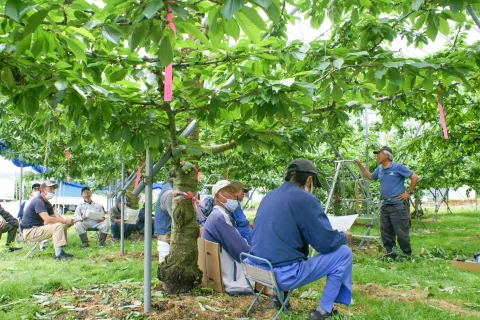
(369, 218)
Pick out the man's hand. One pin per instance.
(348, 234)
(2, 222)
(69, 222)
(357, 162)
(84, 217)
(403, 196)
(100, 220)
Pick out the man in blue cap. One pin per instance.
(395, 218)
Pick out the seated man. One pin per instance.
(115, 222)
(288, 220)
(221, 228)
(243, 225)
(35, 193)
(141, 221)
(9, 225)
(40, 222)
(83, 223)
(163, 211)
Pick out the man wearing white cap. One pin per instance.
(221, 228)
(40, 222)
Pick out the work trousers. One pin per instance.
(127, 230)
(57, 231)
(337, 266)
(83, 226)
(395, 223)
(11, 232)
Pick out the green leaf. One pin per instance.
(192, 29)
(22, 45)
(337, 93)
(30, 105)
(355, 17)
(338, 63)
(118, 75)
(395, 77)
(251, 23)
(432, 30)
(443, 26)
(13, 9)
(137, 36)
(427, 85)
(233, 30)
(165, 51)
(34, 21)
(115, 133)
(365, 3)
(111, 33)
(152, 8)
(456, 5)
(231, 7)
(7, 78)
(416, 4)
(273, 12)
(126, 134)
(75, 46)
(263, 3)
(179, 11)
(420, 21)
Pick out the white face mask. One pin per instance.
(35, 194)
(49, 195)
(311, 186)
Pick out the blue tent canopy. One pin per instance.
(16, 161)
(67, 189)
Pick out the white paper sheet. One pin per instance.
(94, 214)
(342, 223)
(131, 215)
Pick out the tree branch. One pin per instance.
(221, 147)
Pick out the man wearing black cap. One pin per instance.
(90, 215)
(288, 221)
(40, 222)
(395, 218)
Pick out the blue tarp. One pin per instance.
(16, 161)
(66, 189)
(157, 186)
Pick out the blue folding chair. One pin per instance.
(266, 277)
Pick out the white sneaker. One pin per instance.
(42, 245)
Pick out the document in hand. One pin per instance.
(342, 223)
(131, 215)
(94, 215)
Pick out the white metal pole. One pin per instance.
(147, 277)
(122, 215)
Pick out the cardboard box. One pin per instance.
(466, 265)
(209, 264)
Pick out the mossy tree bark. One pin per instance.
(179, 272)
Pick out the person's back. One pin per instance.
(284, 214)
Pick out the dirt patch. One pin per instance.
(411, 295)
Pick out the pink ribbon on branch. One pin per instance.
(167, 89)
(442, 118)
(137, 179)
(186, 196)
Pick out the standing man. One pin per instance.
(35, 193)
(83, 223)
(288, 221)
(163, 212)
(395, 219)
(9, 225)
(40, 222)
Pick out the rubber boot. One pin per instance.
(84, 239)
(102, 238)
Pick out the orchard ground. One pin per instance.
(102, 284)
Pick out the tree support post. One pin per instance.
(20, 192)
(473, 15)
(147, 286)
(122, 214)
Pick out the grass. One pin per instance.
(423, 287)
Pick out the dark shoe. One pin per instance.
(67, 254)
(316, 315)
(274, 303)
(101, 239)
(63, 256)
(11, 249)
(84, 239)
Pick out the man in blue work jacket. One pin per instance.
(288, 221)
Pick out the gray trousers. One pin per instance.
(395, 223)
(82, 226)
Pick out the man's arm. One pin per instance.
(363, 170)
(166, 203)
(55, 218)
(413, 182)
(9, 218)
(78, 214)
